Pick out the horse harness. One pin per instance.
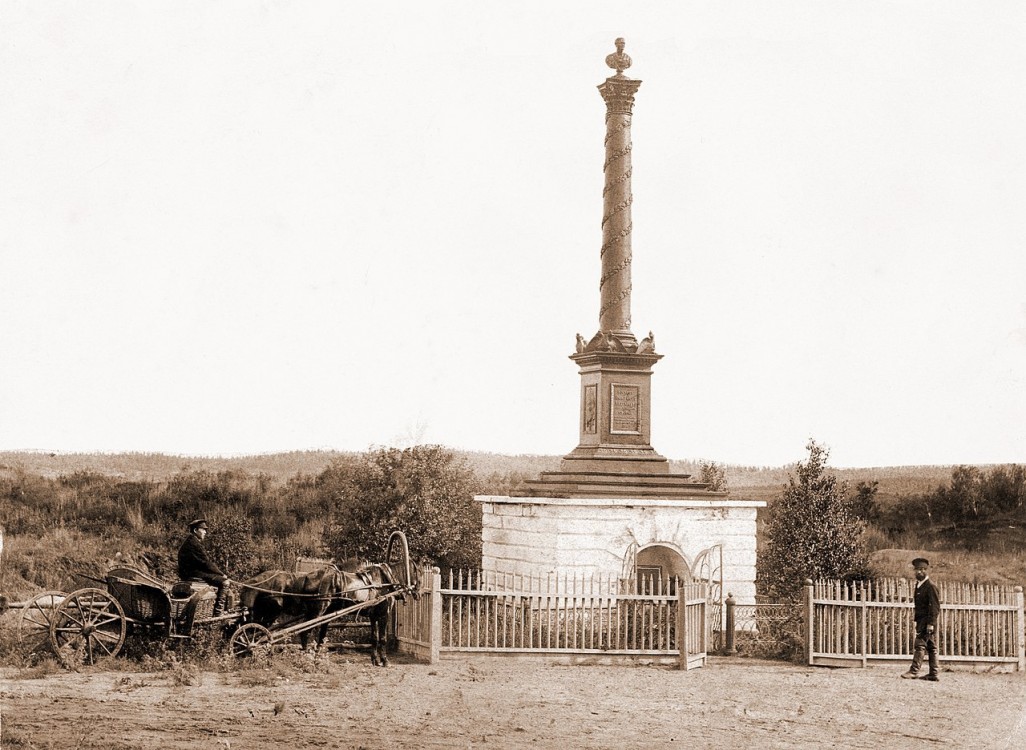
(361, 574)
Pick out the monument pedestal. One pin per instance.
(616, 415)
(614, 457)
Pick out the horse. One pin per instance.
(367, 582)
(300, 596)
(306, 596)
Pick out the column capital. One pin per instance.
(618, 92)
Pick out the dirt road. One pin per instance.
(512, 704)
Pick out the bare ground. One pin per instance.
(499, 703)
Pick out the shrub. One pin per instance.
(811, 532)
(425, 491)
(231, 543)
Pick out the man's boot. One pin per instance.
(917, 663)
(932, 674)
(219, 602)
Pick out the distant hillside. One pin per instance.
(159, 466)
(749, 482)
(765, 483)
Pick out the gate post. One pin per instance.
(682, 627)
(435, 626)
(728, 635)
(1020, 630)
(809, 611)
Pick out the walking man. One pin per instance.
(195, 565)
(927, 609)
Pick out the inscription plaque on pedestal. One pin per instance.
(623, 408)
(590, 410)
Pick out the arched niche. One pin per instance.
(660, 561)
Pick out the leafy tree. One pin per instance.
(1005, 486)
(811, 531)
(425, 491)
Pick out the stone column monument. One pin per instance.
(614, 508)
(614, 452)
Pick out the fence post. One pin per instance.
(809, 611)
(864, 623)
(728, 634)
(1020, 628)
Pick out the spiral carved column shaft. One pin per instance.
(615, 368)
(615, 283)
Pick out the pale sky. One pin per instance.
(233, 228)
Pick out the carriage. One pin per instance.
(91, 624)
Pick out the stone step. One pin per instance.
(558, 484)
(599, 477)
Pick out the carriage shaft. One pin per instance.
(287, 632)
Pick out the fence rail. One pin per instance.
(477, 612)
(871, 621)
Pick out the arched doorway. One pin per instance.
(658, 567)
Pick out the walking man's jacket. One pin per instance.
(927, 606)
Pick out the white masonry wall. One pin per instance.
(540, 535)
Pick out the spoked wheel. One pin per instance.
(397, 555)
(33, 629)
(87, 627)
(247, 637)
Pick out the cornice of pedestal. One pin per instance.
(625, 360)
(616, 348)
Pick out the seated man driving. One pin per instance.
(195, 565)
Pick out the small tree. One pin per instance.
(713, 475)
(811, 531)
(864, 503)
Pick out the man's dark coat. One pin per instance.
(927, 606)
(193, 561)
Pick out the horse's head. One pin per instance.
(415, 578)
(395, 582)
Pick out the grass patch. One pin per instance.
(953, 565)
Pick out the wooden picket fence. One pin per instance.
(569, 617)
(865, 622)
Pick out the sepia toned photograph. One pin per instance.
(454, 374)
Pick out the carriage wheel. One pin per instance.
(33, 629)
(397, 555)
(88, 626)
(246, 637)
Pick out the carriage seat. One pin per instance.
(192, 600)
(187, 589)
